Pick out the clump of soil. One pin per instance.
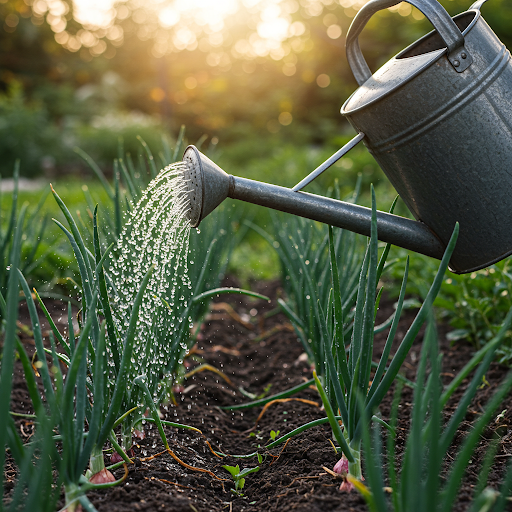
(259, 353)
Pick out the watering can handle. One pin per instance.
(477, 5)
(433, 11)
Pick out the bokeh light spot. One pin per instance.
(285, 118)
(289, 69)
(180, 97)
(334, 31)
(157, 94)
(330, 19)
(169, 16)
(323, 80)
(11, 20)
(190, 82)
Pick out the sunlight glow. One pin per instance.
(204, 12)
(169, 16)
(212, 26)
(94, 13)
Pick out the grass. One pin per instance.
(46, 258)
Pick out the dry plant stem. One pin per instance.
(331, 472)
(209, 367)
(224, 306)
(280, 453)
(188, 466)
(278, 328)
(187, 427)
(169, 482)
(263, 401)
(184, 464)
(151, 457)
(211, 449)
(281, 400)
(141, 381)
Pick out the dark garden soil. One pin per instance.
(259, 352)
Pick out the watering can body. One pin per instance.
(443, 136)
(438, 120)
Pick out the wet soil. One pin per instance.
(258, 352)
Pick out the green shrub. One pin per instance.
(113, 134)
(26, 130)
(476, 304)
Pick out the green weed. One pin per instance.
(239, 476)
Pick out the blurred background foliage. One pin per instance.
(256, 75)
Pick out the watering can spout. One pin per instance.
(208, 185)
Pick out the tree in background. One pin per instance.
(233, 68)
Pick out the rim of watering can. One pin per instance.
(435, 55)
(193, 175)
(481, 266)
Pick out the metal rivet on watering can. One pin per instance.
(450, 89)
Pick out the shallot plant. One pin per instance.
(33, 489)
(305, 249)
(33, 227)
(188, 274)
(304, 254)
(119, 349)
(422, 484)
(131, 177)
(349, 379)
(154, 232)
(93, 389)
(157, 232)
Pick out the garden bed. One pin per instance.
(260, 352)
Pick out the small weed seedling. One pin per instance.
(239, 476)
(274, 434)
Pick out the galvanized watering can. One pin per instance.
(438, 119)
